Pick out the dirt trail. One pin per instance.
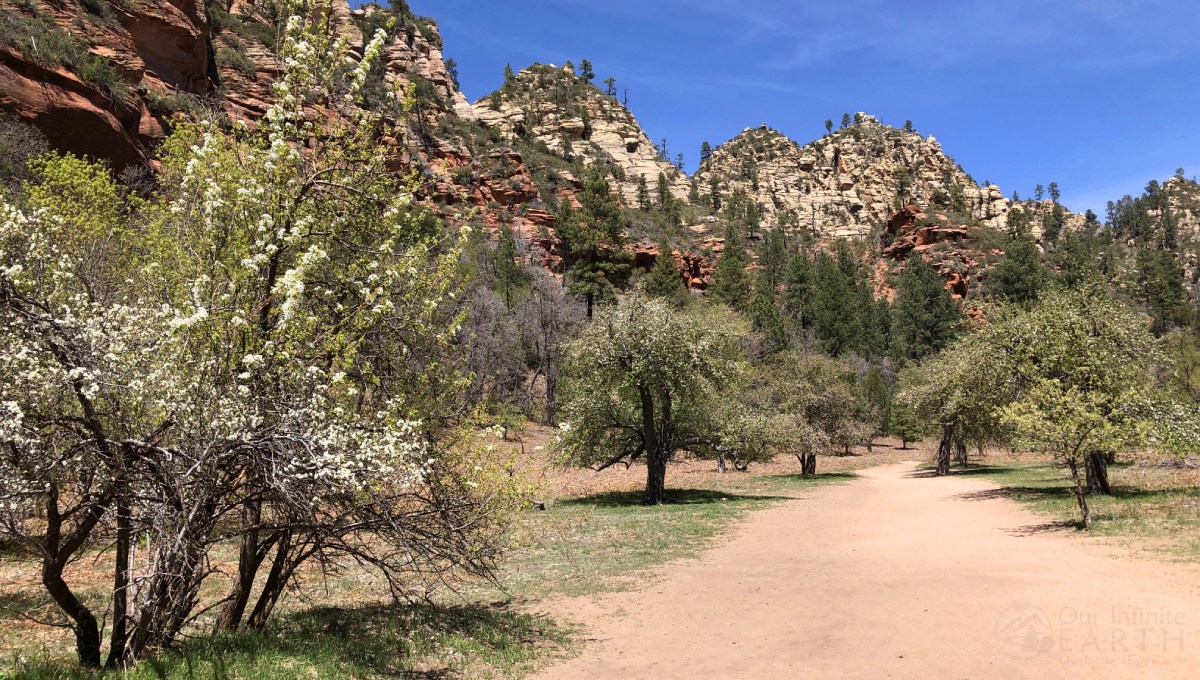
(895, 575)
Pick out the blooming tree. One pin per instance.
(264, 352)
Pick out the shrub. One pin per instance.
(228, 57)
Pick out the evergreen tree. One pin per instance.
(925, 317)
(643, 193)
(1161, 288)
(828, 126)
(705, 152)
(908, 126)
(773, 259)
(610, 87)
(834, 307)
(508, 74)
(585, 70)
(664, 280)
(765, 318)
(1020, 276)
(797, 292)
(664, 191)
(592, 237)
(846, 120)
(1075, 258)
(511, 277)
(694, 192)
(731, 283)
(714, 193)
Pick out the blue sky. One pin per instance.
(1098, 95)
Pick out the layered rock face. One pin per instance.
(849, 182)
(576, 120)
(153, 48)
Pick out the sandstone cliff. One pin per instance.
(579, 122)
(849, 182)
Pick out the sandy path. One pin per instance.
(898, 576)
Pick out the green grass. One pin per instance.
(604, 542)
(368, 642)
(578, 546)
(1162, 516)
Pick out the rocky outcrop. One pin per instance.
(155, 46)
(849, 182)
(947, 244)
(577, 121)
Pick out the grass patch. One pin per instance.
(368, 642)
(595, 543)
(561, 545)
(1147, 503)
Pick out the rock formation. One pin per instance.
(849, 182)
(577, 121)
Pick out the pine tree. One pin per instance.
(643, 193)
(731, 283)
(765, 318)
(592, 237)
(610, 87)
(925, 317)
(828, 126)
(846, 120)
(664, 280)
(664, 191)
(508, 74)
(705, 152)
(1161, 288)
(1020, 276)
(797, 292)
(834, 307)
(694, 192)
(585, 70)
(773, 259)
(510, 275)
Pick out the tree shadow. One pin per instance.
(1044, 528)
(821, 476)
(1016, 493)
(617, 499)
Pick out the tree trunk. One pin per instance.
(720, 463)
(1080, 495)
(943, 454)
(551, 394)
(960, 454)
(656, 477)
(277, 578)
(120, 608)
(808, 464)
(250, 557)
(1096, 465)
(54, 561)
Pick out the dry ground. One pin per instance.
(899, 574)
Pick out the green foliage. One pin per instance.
(664, 280)
(1020, 276)
(647, 380)
(47, 44)
(233, 58)
(1160, 287)
(730, 282)
(925, 317)
(592, 237)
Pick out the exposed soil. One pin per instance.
(898, 575)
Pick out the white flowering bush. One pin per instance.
(265, 352)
